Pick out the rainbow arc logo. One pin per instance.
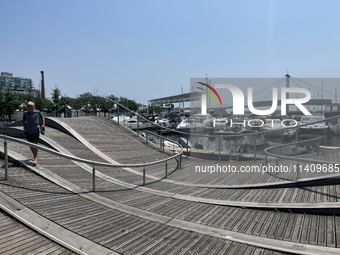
(209, 93)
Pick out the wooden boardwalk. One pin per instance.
(121, 232)
(16, 238)
(131, 233)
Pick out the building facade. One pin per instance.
(17, 84)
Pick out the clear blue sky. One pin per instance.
(146, 49)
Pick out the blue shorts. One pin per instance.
(33, 138)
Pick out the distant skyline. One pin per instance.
(147, 49)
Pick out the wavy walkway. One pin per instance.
(107, 225)
(117, 137)
(16, 238)
(287, 232)
(324, 196)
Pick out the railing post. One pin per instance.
(266, 160)
(93, 179)
(297, 162)
(296, 140)
(137, 125)
(188, 146)
(318, 148)
(99, 106)
(144, 176)
(81, 108)
(146, 137)
(166, 169)
(180, 161)
(65, 112)
(255, 147)
(281, 143)
(6, 159)
(160, 141)
(219, 149)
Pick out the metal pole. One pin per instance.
(93, 179)
(6, 160)
(160, 142)
(146, 137)
(137, 125)
(99, 105)
(287, 96)
(297, 163)
(166, 169)
(81, 108)
(281, 143)
(118, 115)
(144, 176)
(255, 148)
(187, 146)
(180, 161)
(296, 140)
(219, 149)
(318, 148)
(65, 112)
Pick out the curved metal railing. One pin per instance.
(199, 135)
(255, 134)
(91, 162)
(296, 158)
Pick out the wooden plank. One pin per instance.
(315, 229)
(322, 237)
(331, 239)
(297, 228)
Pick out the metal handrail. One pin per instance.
(266, 151)
(211, 136)
(198, 135)
(93, 163)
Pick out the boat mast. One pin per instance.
(287, 96)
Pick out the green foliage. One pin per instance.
(128, 103)
(2, 103)
(56, 95)
(155, 109)
(11, 101)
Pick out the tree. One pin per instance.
(2, 103)
(56, 94)
(11, 102)
(154, 108)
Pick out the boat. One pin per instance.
(130, 122)
(332, 110)
(273, 125)
(184, 125)
(161, 122)
(230, 131)
(184, 142)
(314, 128)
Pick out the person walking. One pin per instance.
(30, 122)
